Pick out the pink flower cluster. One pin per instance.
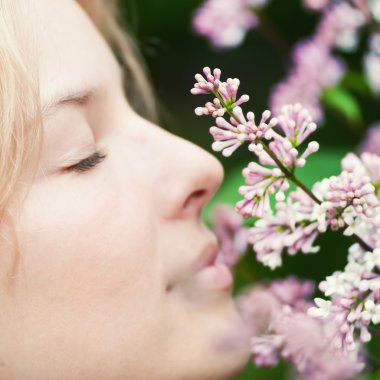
(371, 141)
(314, 67)
(347, 201)
(355, 296)
(282, 329)
(294, 126)
(316, 5)
(372, 62)
(290, 228)
(225, 22)
(291, 221)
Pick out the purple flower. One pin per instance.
(291, 290)
(291, 228)
(374, 7)
(296, 125)
(287, 332)
(371, 141)
(266, 349)
(225, 22)
(355, 300)
(225, 93)
(339, 26)
(348, 190)
(261, 182)
(314, 68)
(209, 83)
(372, 63)
(229, 136)
(316, 5)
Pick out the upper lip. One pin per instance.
(208, 255)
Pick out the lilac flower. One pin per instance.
(316, 5)
(280, 315)
(372, 63)
(308, 349)
(354, 301)
(258, 306)
(214, 108)
(232, 236)
(286, 332)
(372, 70)
(229, 136)
(266, 349)
(371, 312)
(261, 182)
(368, 164)
(347, 190)
(290, 228)
(314, 68)
(349, 199)
(209, 83)
(374, 6)
(225, 22)
(371, 141)
(291, 290)
(296, 124)
(225, 93)
(339, 26)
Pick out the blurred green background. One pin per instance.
(174, 53)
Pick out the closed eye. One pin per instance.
(87, 163)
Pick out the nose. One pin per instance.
(189, 177)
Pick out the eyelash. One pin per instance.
(88, 163)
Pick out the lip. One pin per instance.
(211, 274)
(207, 256)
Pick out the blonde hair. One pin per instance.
(20, 136)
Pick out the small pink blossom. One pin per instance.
(316, 5)
(290, 228)
(314, 68)
(371, 141)
(224, 22)
(286, 332)
(208, 83)
(339, 26)
(261, 182)
(231, 135)
(296, 125)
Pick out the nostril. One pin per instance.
(195, 200)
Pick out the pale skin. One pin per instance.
(106, 287)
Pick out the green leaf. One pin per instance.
(342, 102)
(356, 82)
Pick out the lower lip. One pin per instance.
(217, 276)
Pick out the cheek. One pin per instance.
(83, 245)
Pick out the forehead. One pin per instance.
(71, 52)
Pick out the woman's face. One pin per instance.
(107, 282)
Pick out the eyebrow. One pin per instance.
(74, 96)
(70, 96)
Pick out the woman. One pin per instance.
(106, 267)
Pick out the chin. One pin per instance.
(230, 347)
